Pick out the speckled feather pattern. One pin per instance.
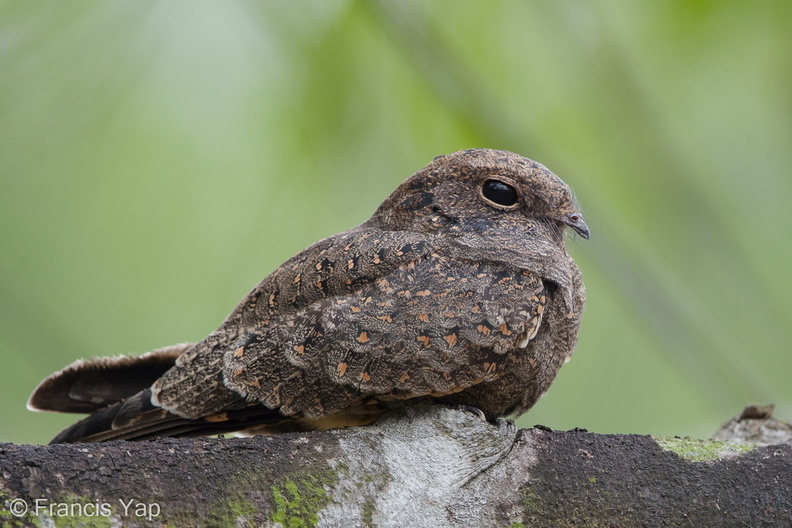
(442, 294)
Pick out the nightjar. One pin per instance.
(458, 290)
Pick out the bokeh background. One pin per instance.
(158, 158)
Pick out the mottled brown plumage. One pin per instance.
(458, 289)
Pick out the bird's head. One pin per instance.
(485, 198)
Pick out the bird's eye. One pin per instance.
(499, 193)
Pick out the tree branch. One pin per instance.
(427, 466)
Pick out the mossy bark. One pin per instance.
(428, 466)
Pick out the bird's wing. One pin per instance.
(137, 418)
(331, 269)
(180, 391)
(430, 327)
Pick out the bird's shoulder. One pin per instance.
(333, 266)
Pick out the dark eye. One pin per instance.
(500, 193)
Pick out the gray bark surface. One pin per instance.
(427, 466)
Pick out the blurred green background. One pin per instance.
(157, 159)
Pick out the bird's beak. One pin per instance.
(575, 221)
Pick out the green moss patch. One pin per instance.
(702, 450)
(298, 502)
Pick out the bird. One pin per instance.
(458, 291)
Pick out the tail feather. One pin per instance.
(116, 393)
(87, 386)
